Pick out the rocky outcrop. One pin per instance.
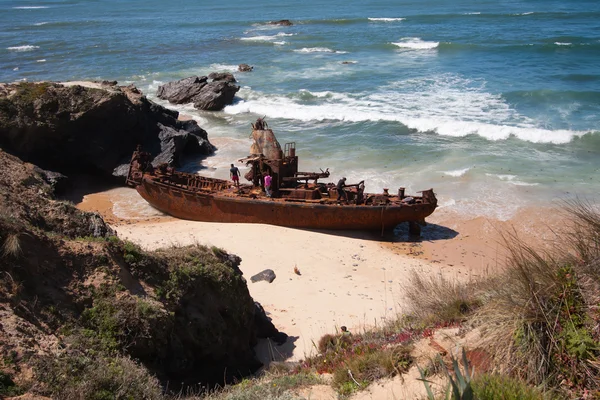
(92, 127)
(210, 93)
(26, 195)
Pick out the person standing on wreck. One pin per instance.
(234, 173)
(340, 189)
(268, 180)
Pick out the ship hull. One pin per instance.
(214, 207)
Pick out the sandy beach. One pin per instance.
(354, 279)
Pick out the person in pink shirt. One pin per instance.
(268, 180)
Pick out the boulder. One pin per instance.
(268, 275)
(210, 93)
(93, 128)
(245, 68)
(282, 22)
(182, 91)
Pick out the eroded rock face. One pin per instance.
(26, 194)
(210, 93)
(92, 128)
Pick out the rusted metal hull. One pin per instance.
(216, 207)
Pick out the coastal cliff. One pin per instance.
(82, 311)
(92, 127)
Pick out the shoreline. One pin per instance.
(346, 278)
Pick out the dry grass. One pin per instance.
(11, 246)
(541, 320)
(270, 386)
(436, 300)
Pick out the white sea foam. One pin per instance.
(447, 105)
(23, 48)
(29, 7)
(525, 13)
(512, 180)
(415, 44)
(42, 60)
(224, 67)
(562, 44)
(40, 23)
(387, 19)
(504, 177)
(457, 172)
(318, 50)
(266, 38)
(473, 13)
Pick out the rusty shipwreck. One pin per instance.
(298, 198)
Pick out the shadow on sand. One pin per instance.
(429, 233)
(267, 351)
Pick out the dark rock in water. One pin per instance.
(210, 96)
(282, 22)
(92, 128)
(183, 90)
(216, 96)
(267, 275)
(264, 326)
(245, 68)
(222, 77)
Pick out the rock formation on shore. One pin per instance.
(210, 96)
(93, 128)
(82, 312)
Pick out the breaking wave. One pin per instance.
(447, 107)
(23, 48)
(387, 19)
(415, 44)
(319, 50)
(457, 173)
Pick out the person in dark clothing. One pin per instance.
(340, 189)
(234, 173)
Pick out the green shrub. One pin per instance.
(28, 92)
(540, 316)
(81, 373)
(359, 370)
(502, 387)
(269, 387)
(7, 386)
(126, 322)
(329, 342)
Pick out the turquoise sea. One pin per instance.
(494, 104)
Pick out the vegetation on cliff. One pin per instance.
(533, 331)
(86, 315)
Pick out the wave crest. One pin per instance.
(415, 44)
(23, 48)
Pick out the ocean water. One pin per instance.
(494, 104)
